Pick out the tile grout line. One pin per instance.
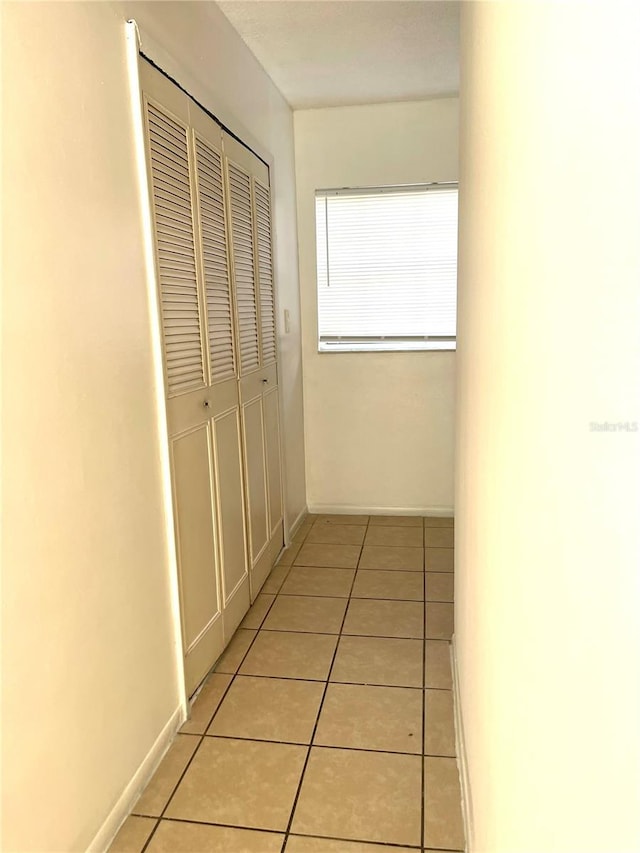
(320, 707)
(234, 675)
(341, 748)
(203, 735)
(351, 683)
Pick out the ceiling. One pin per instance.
(327, 53)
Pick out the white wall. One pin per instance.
(378, 426)
(547, 542)
(89, 668)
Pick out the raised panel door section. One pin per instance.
(272, 448)
(230, 518)
(255, 476)
(202, 628)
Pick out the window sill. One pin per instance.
(387, 346)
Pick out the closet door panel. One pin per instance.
(262, 208)
(200, 602)
(255, 476)
(272, 453)
(239, 183)
(215, 261)
(176, 263)
(230, 500)
(223, 400)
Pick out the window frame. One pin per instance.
(381, 343)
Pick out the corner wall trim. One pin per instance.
(461, 753)
(120, 812)
(347, 509)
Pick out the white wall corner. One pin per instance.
(122, 809)
(461, 754)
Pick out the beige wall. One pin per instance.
(378, 426)
(547, 541)
(90, 676)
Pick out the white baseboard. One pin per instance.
(461, 752)
(134, 788)
(344, 509)
(295, 526)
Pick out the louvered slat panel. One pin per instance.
(215, 262)
(176, 252)
(265, 273)
(242, 242)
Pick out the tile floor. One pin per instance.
(327, 724)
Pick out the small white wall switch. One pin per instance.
(287, 321)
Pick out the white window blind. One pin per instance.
(387, 268)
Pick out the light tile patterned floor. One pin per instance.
(327, 724)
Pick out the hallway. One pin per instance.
(327, 724)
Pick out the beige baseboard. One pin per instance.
(461, 753)
(344, 509)
(296, 524)
(120, 812)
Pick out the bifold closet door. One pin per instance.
(252, 272)
(192, 270)
(224, 400)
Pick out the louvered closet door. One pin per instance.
(270, 405)
(252, 267)
(186, 367)
(224, 392)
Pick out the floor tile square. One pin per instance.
(304, 580)
(275, 579)
(340, 519)
(406, 586)
(156, 795)
(439, 728)
(442, 809)
(132, 835)
(337, 534)
(438, 621)
(391, 557)
(395, 521)
(206, 703)
(438, 537)
(258, 611)
(289, 554)
(182, 837)
(438, 664)
(298, 844)
(373, 718)
(290, 655)
(232, 656)
(438, 559)
(376, 660)
(328, 556)
(370, 796)
(373, 618)
(300, 535)
(240, 782)
(439, 521)
(286, 710)
(306, 613)
(439, 586)
(403, 536)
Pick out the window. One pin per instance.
(387, 266)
